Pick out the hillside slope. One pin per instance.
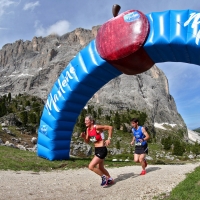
(193, 136)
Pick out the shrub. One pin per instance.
(178, 148)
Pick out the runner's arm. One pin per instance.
(146, 134)
(106, 128)
(85, 136)
(133, 140)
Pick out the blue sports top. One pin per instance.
(138, 134)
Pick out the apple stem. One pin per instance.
(115, 9)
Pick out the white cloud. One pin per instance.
(31, 6)
(60, 28)
(5, 4)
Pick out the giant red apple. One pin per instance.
(120, 41)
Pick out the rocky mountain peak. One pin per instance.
(33, 66)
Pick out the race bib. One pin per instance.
(93, 139)
(138, 144)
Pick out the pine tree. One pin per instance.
(36, 107)
(124, 128)
(166, 142)
(118, 145)
(99, 111)
(81, 123)
(142, 117)
(123, 117)
(9, 97)
(117, 121)
(24, 117)
(0, 111)
(94, 113)
(32, 118)
(33, 98)
(3, 109)
(89, 110)
(28, 103)
(196, 148)
(107, 117)
(178, 148)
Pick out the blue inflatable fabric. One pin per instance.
(78, 82)
(174, 36)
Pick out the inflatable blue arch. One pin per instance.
(172, 35)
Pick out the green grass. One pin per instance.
(155, 147)
(14, 159)
(189, 189)
(17, 160)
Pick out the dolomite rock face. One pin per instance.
(148, 91)
(33, 66)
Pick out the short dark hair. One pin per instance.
(134, 120)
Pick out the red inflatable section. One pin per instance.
(120, 42)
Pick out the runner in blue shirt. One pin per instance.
(140, 137)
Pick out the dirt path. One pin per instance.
(84, 184)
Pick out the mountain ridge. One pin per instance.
(197, 130)
(32, 67)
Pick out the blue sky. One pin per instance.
(24, 19)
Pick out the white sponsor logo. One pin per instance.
(44, 129)
(195, 17)
(54, 98)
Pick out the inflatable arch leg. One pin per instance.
(131, 43)
(83, 76)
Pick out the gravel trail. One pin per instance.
(82, 184)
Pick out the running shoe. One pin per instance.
(110, 181)
(143, 172)
(104, 180)
(145, 162)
